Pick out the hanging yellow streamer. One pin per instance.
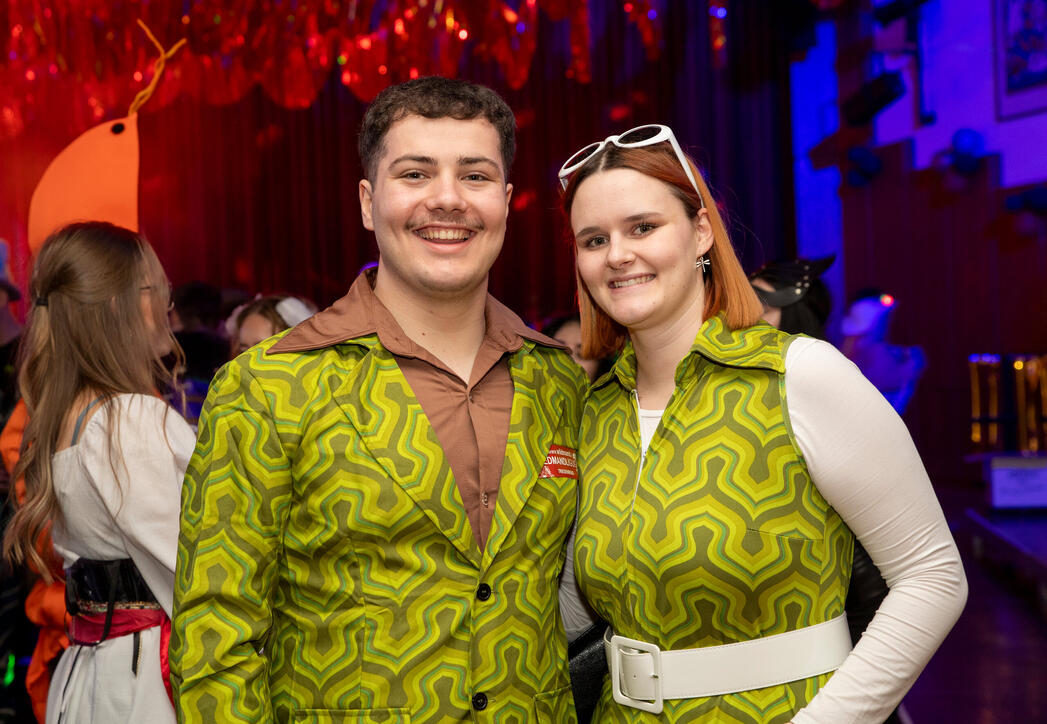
(158, 69)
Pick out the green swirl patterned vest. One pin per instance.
(726, 539)
(327, 570)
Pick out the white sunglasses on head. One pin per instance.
(637, 137)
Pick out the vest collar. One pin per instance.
(756, 347)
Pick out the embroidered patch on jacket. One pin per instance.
(560, 463)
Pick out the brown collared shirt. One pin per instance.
(470, 418)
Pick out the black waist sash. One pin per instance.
(117, 584)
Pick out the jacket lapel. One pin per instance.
(533, 422)
(379, 403)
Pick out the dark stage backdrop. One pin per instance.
(968, 277)
(256, 196)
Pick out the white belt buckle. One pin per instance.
(617, 644)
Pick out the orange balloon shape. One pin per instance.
(94, 178)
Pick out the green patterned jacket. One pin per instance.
(327, 571)
(725, 538)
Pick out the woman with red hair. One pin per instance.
(725, 468)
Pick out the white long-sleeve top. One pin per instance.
(863, 461)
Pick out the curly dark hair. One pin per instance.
(434, 97)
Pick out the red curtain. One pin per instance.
(257, 196)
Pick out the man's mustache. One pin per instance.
(473, 224)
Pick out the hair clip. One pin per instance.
(293, 311)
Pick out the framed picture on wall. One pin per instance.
(1020, 56)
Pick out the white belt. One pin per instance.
(643, 676)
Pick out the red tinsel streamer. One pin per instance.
(509, 38)
(92, 52)
(718, 33)
(643, 14)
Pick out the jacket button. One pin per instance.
(480, 701)
(483, 592)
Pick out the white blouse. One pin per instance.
(127, 506)
(121, 506)
(862, 459)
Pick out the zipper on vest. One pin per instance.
(627, 578)
(643, 451)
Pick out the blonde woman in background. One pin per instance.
(104, 457)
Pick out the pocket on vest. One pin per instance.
(555, 707)
(352, 716)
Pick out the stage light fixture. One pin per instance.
(875, 95)
(889, 12)
(1034, 200)
(867, 165)
(968, 147)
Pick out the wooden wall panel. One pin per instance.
(969, 277)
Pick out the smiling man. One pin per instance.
(374, 520)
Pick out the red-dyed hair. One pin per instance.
(727, 289)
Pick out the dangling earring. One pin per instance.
(702, 264)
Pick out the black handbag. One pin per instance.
(588, 665)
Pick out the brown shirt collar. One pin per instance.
(360, 313)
